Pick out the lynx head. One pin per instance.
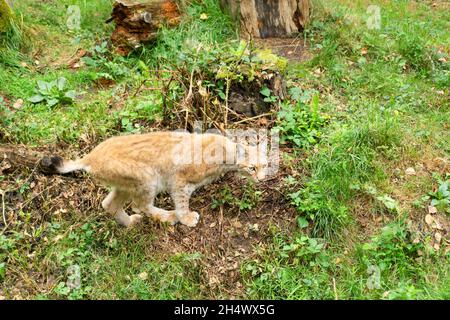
(251, 162)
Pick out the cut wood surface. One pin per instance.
(269, 18)
(138, 22)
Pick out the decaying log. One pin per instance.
(269, 18)
(13, 157)
(138, 21)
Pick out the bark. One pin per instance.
(269, 18)
(13, 157)
(138, 22)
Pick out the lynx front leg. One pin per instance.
(114, 204)
(181, 200)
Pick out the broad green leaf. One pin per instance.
(52, 102)
(295, 93)
(443, 189)
(265, 92)
(390, 203)
(302, 222)
(61, 83)
(44, 87)
(71, 95)
(36, 99)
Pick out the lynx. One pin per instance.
(139, 167)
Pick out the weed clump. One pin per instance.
(336, 170)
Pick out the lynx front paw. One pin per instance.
(189, 219)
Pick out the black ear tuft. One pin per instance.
(51, 164)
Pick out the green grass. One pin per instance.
(382, 91)
(369, 104)
(388, 266)
(110, 264)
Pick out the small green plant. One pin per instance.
(301, 124)
(5, 113)
(133, 117)
(268, 97)
(393, 249)
(53, 93)
(328, 216)
(404, 291)
(126, 118)
(248, 201)
(384, 201)
(441, 197)
(75, 257)
(7, 248)
(107, 65)
(294, 267)
(226, 197)
(303, 249)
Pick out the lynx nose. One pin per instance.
(261, 175)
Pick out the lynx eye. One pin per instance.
(252, 168)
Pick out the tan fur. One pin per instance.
(139, 167)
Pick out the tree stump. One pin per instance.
(138, 21)
(6, 15)
(269, 18)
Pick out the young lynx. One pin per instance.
(139, 167)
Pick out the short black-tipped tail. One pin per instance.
(57, 165)
(51, 165)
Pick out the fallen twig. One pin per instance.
(334, 289)
(253, 118)
(3, 210)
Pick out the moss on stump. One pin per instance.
(6, 15)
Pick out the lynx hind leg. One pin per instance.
(145, 203)
(181, 199)
(114, 204)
